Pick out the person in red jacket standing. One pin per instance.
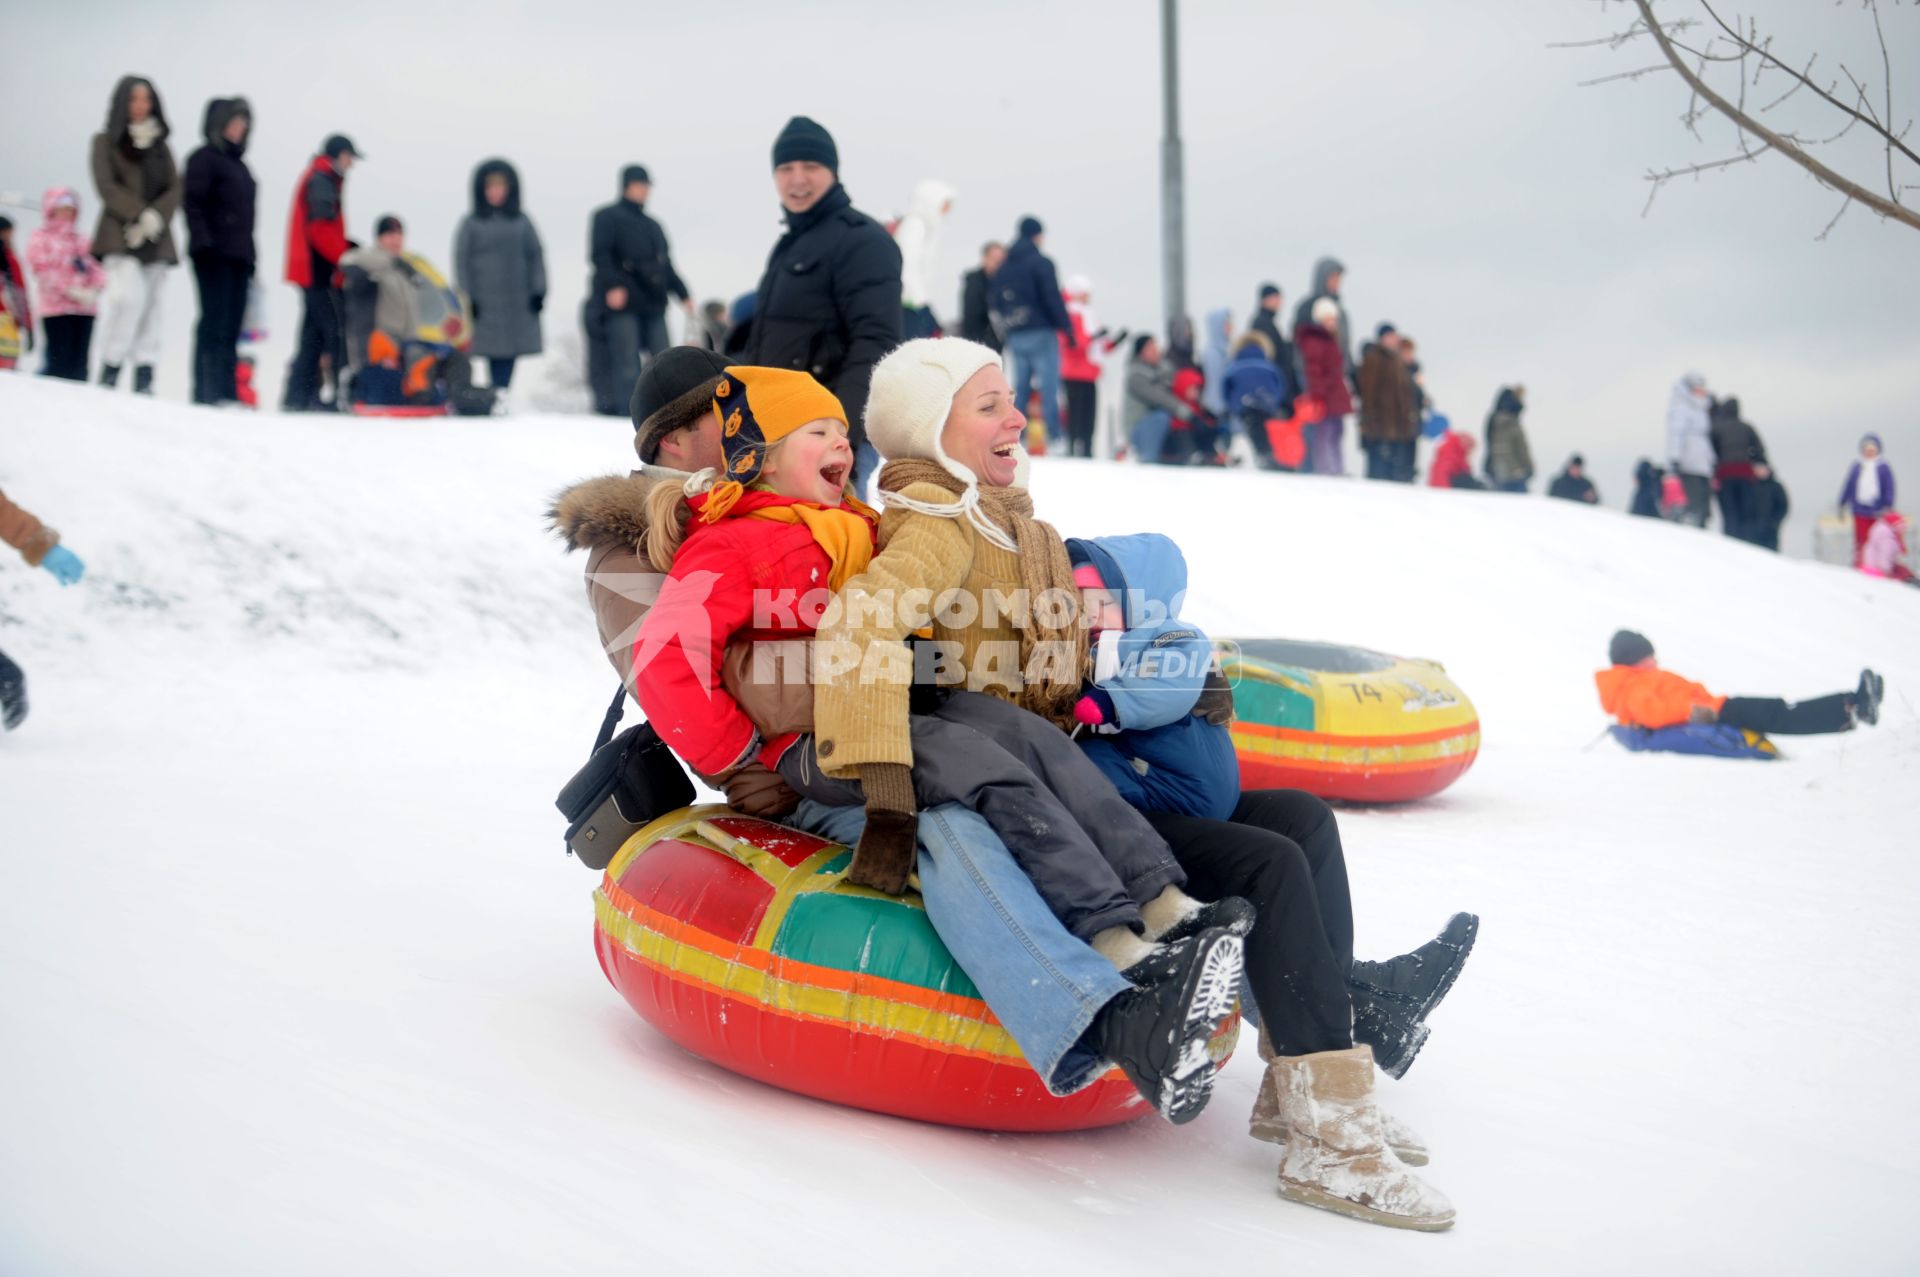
(316, 239)
(1082, 355)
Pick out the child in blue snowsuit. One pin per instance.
(1149, 671)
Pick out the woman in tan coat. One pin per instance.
(959, 546)
(40, 546)
(140, 191)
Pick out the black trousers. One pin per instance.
(1776, 717)
(1042, 795)
(1699, 490)
(216, 340)
(68, 339)
(1082, 398)
(1254, 422)
(1281, 852)
(323, 332)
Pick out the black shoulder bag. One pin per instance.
(632, 780)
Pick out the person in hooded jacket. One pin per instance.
(68, 281)
(633, 277)
(1509, 460)
(499, 264)
(918, 238)
(1868, 491)
(1690, 445)
(1083, 354)
(1648, 479)
(829, 301)
(1328, 275)
(139, 186)
(316, 241)
(1740, 471)
(1027, 298)
(219, 204)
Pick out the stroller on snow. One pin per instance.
(408, 333)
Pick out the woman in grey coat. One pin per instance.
(499, 265)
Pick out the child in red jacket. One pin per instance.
(1638, 693)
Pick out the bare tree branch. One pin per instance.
(1891, 209)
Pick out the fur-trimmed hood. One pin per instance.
(608, 511)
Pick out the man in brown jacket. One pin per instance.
(1389, 421)
(675, 434)
(40, 546)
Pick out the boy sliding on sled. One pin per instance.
(1638, 693)
(780, 525)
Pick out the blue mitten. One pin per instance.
(64, 564)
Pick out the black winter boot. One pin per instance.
(1866, 700)
(1392, 999)
(109, 375)
(13, 694)
(1158, 1033)
(143, 379)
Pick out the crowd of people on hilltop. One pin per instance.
(839, 289)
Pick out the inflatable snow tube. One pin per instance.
(739, 940)
(1346, 723)
(1714, 740)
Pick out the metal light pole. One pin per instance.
(1173, 216)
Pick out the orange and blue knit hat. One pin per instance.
(758, 407)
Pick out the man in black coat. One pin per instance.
(1572, 483)
(829, 303)
(219, 204)
(976, 314)
(633, 277)
(1265, 321)
(1026, 296)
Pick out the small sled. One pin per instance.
(1714, 740)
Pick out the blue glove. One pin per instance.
(64, 564)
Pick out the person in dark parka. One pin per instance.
(499, 264)
(219, 204)
(1740, 473)
(633, 276)
(829, 302)
(976, 315)
(1572, 484)
(1647, 479)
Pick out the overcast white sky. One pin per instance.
(1480, 199)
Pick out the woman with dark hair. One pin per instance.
(499, 264)
(139, 187)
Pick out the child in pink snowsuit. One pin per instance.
(68, 280)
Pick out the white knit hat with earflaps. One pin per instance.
(907, 405)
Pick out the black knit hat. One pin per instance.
(634, 173)
(388, 222)
(1628, 648)
(1030, 226)
(1269, 290)
(673, 393)
(803, 140)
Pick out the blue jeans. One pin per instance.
(1150, 436)
(1031, 352)
(1045, 986)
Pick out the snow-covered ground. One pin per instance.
(294, 976)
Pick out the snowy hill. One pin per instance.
(295, 976)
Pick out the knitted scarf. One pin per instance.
(1044, 566)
